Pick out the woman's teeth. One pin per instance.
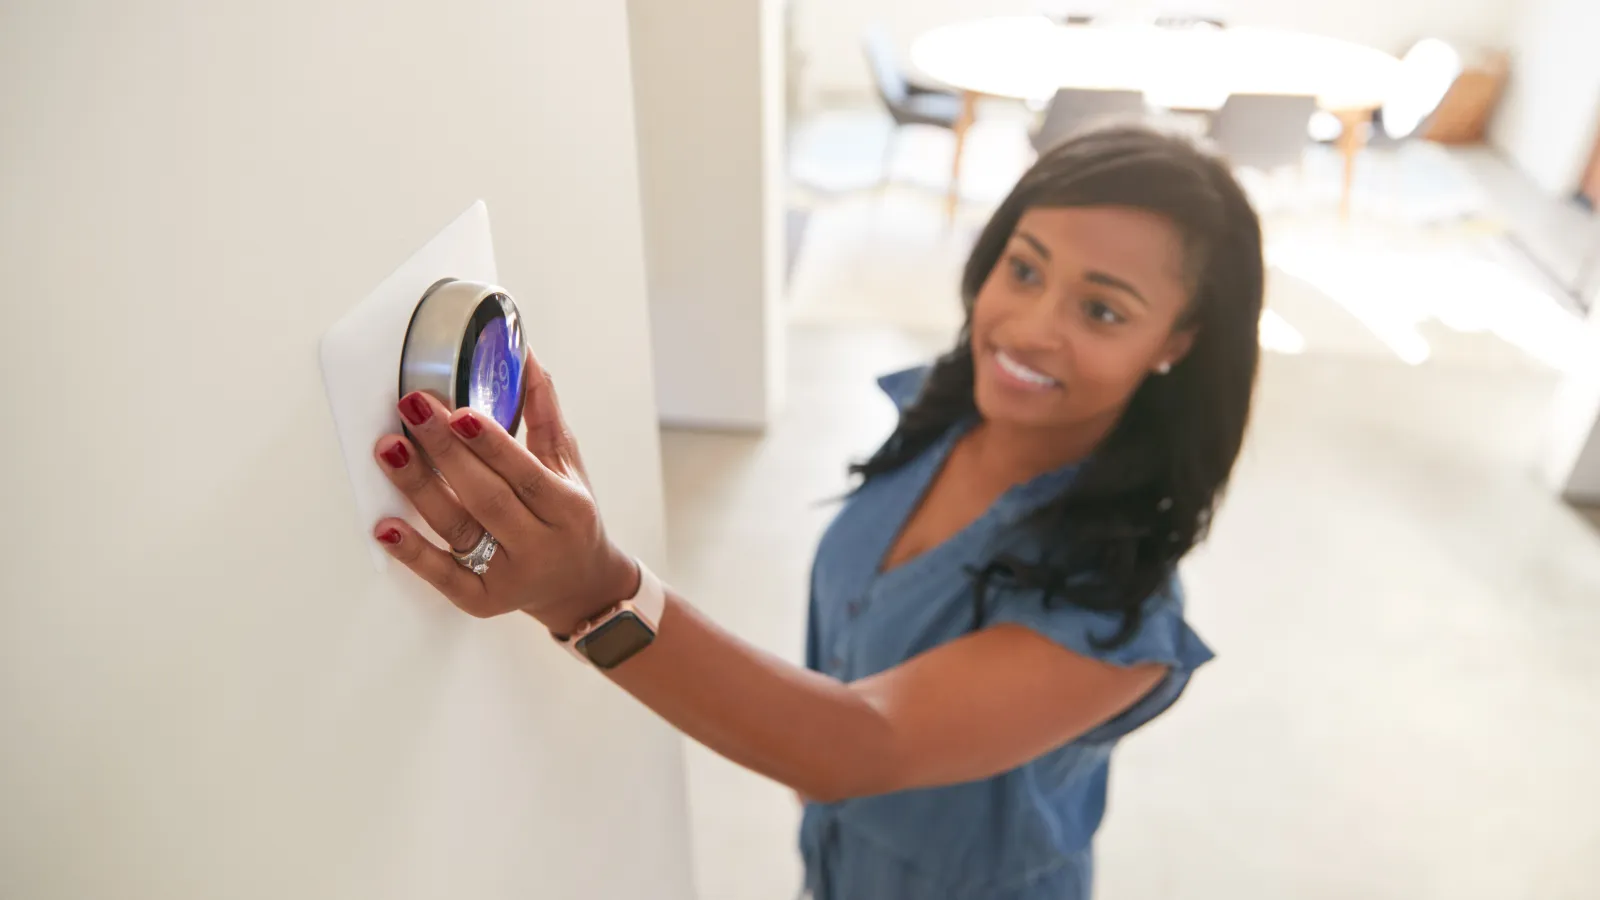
(1023, 373)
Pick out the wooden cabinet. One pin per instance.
(1464, 113)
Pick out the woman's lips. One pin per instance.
(1017, 375)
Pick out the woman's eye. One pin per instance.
(1023, 272)
(1103, 314)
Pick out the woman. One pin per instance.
(996, 604)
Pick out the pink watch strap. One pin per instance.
(648, 604)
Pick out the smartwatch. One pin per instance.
(612, 636)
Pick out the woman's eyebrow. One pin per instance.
(1105, 279)
(1037, 244)
(1112, 281)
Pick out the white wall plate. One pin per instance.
(361, 362)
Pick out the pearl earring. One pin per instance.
(1163, 368)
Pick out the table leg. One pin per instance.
(1352, 137)
(969, 109)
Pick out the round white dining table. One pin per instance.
(1192, 69)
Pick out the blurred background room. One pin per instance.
(1405, 581)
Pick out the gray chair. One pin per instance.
(908, 103)
(1072, 12)
(1180, 20)
(1074, 108)
(1263, 131)
(1189, 15)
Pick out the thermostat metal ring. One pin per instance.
(442, 341)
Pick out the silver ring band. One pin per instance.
(477, 559)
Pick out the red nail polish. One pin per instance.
(396, 456)
(390, 536)
(467, 426)
(415, 408)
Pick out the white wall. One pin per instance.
(1547, 120)
(709, 91)
(1572, 442)
(205, 689)
(829, 31)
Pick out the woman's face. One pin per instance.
(1081, 307)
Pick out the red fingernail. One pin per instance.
(467, 426)
(390, 536)
(397, 456)
(415, 408)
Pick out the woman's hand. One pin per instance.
(554, 560)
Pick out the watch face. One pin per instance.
(616, 640)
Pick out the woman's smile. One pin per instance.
(1014, 374)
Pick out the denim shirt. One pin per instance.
(1020, 835)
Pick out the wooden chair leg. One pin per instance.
(1351, 140)
(890, 144)
(969, 108)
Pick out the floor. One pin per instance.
(1406, 701)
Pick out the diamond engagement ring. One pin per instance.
(477, 559)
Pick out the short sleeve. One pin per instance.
(1164, 637)
(904, 386)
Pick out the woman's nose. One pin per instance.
(1046, 316)
(1041, 329)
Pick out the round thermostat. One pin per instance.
(465, 346)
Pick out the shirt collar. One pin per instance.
(1030, 496)
(904, 386)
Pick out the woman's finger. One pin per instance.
(439, 506)
(484, 494)
(433, 565)
(546, 494)
(548, 435)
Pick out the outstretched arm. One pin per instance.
(964, 711)
(970, 709)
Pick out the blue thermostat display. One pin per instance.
(495, 388)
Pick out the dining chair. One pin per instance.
(1263, 131)
(1427, 72)
(1263, 137)
(1072, 12)
(1074, 108)
(907, 102)
(1189, 15)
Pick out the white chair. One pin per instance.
(1427, 71)
(1073, 108)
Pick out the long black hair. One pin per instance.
(1147, 493)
